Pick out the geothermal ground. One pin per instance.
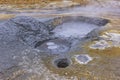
(60, 40)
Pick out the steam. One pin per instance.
(74, 29)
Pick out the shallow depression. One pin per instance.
(62, 63)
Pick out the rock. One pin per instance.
(8, 31)
(26, 29)
(52, 23)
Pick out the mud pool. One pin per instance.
(73, 43)
(74, 29)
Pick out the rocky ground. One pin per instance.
(60, 41)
